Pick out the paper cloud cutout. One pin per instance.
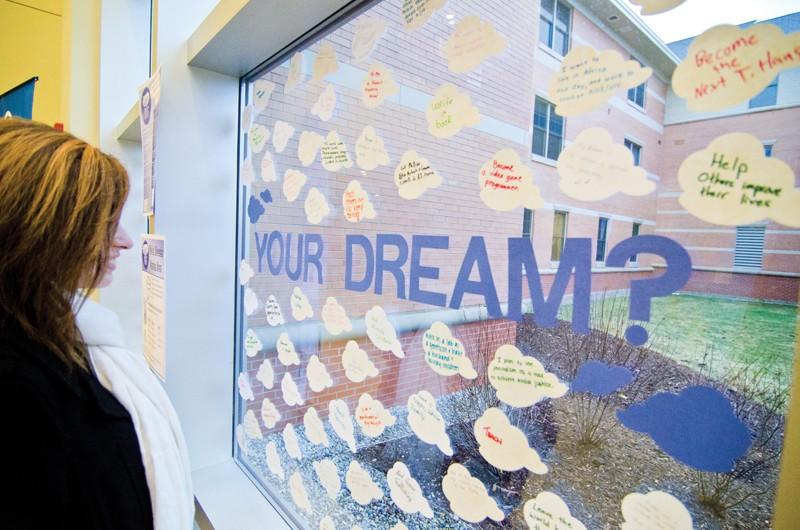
(323, 108)
(247, 117)
(308, 146)
(593, 168)
(377, 86)
(658, 510)
(382, 333)
(251, 427)
(333, 153)
(274, 461)
(316, 206)
(414, 175)
(367, 34)
(252, 344)
(291, 395)
(356, 363)
(361, 486)
(450, 111)
(549, 511)
(293, 182)
(417, 12)
(728, 65)
(247, 175)
(326, 523)
(262, 91)
(472, 42)
(588, 79)
(325, 62)
(356, 203)
(696, 427)
(281, 135)
(329, 477)
(291, 442)
(245, 272)
(372, 417)
(254, 210)
(268, 173)
(370, 152)
(317, 375)
(295, 73)
(245, 390)
(445, 354)
(505, 446)
(301, 307)
(287, 354)
(250, 301)
(298, 492)
(273, 311)
(258, 136)
(241, 440)
(468, 496)
(270, 415)
(654, 7)
(335, 318)
(426, 421)
(601, 379)
(406, 492)
(732, 183)
(521, 380)
(266, 374)
(342, 422)
(315, 430)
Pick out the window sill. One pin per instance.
(551, 52)
(543, 160)
(636, 106)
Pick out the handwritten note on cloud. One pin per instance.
(732, 183)
(356, 363)
(298, 491)
(370, 152)
(414, 175)
(250, 301)
(361, 486)
(356, 203)
(372, 417)
(381, 332)
(308, 146)
(262, 90)
(588, 79)
(266, 374)
(328, 476)
(316, 206)
(377, 86)
(521, 380)
(548, 511)
(268, 173)
(335, 317)
(318, 377)
(426, 421)
(728, 65)
(270, 415)
(594, 168)
(252, 344)
(301, 307)
(323, 108)
(315, 430)
(287, 354)
(325, 62)
(342, 422)
(295, 73)
(333, 153)
(406, 492)
(291, 395)
(293, 182)
(245, 390)
(326, 523)
(506, 183)
(417, 12)
(657, 510)
(273, 311)
(445, 354)
(291, 442)
(473, 41)
(468, 496)
(281, 135)
(251, 427)
(367, 34)
(258, 136)
(274, 463)
(449, 111)
(505, 446)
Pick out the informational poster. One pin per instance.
(149, 97)
(154, 307)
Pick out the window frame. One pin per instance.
(563, 237)
(602, 242)
(636, 153)
(636, 228)
(552, 25)
(528, 222)
(551, 112)
(754, 103)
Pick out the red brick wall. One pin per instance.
(755, 286)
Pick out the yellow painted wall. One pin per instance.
(30, 45)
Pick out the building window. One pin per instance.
(749, 251)
(548, 130)
(636, 151)
(634, 233)
(554, 25)
(767, 97)
(602, 233)
(559, 234)
(527, 223)
(768, 150)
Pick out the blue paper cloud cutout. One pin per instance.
(601, 379)
(254, 209)
(696, 427)
(266, 196)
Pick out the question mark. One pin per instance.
(679, 268)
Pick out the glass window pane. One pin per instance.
(602, 228)
(539, 142)
(767, 97)
(554, 143)
(545, 32)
